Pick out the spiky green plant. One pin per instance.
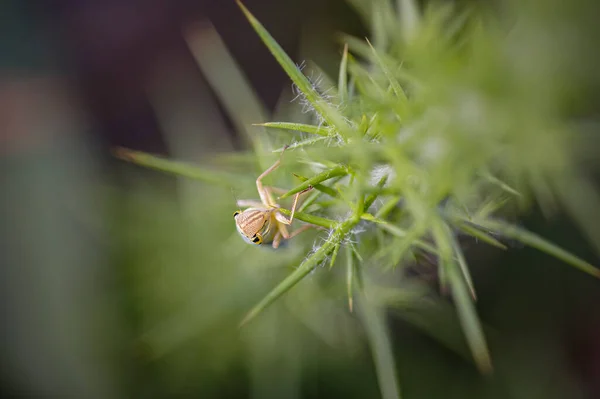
(432, 131)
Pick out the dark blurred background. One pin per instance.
(78, 77)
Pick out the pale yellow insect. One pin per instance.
(262, 222)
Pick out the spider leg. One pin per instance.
(277, 240)
(300, 230)
(278, 190)
(248, 203)
(265, 195)
(286, 235)
(282, 229)
(281, 218)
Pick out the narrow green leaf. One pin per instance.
(327, 112)
(350, 276)
(397, 231)
(321, 177)
(388, 74)
(535, 241)
(299, 127)
(312, 219)
(490, 207)
(364, 124)
(343, 76)
(322, 188)
(474, 232)
(469, 320)
(366, 83)
(356, 46)
(399, 249)
(304, 269)
(372, 197)
(314, 196)
(466, 309)
(334, 255)
(356, 253)
(289, 282)
(177, 168)
(464, 268)
(301, 144)
(387, 207)
(494, 180)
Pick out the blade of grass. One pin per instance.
(327, 112)
(334, 255)
(372, 197)
(356, 253)
(464, 268)
(464, 303)
(299, 127)
(350, 276)
(387, 207)
(343, 76)
(494, 180)
(301, 144)
(474, 232)
(398, 91)
(535, 241)
(177, 168)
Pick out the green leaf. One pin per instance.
(464, 268)
(388, 207)
(535, 241)
(474, 232)
(356, 45)
(326, 175)
(301, 144)
(312, 219)
(397, 231)
(334, 255)
(327, 112)
(314, 196)
(178, 168)
(304, 269)
(350, 276)
(494, 180)
(388, 74)
(372, 197)
(343, 76)
(322, 188)
(464, 303)
(299, 127)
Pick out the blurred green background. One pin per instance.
(123, 282)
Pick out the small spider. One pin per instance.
(262, 222)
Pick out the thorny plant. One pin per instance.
(430, 132)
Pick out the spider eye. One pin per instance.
(236, 213)
(257, 239)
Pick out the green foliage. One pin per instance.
(434, 130)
